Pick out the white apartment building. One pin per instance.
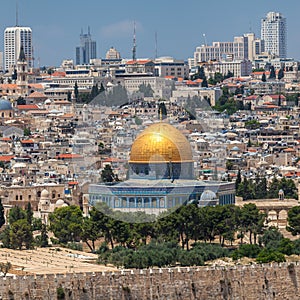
(14, 37)
(274, 34)
(242, 48)
(239, 68)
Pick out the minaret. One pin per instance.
(22, 73)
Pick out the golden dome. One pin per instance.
(161, 142)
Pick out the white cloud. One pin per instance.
(120, 29)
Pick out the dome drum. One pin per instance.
(160, 170)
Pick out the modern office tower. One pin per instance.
(86, 50)
(14, 38)
(274, 34)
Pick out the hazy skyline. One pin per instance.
(180, 26)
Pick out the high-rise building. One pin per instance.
(14, 38)
(255, 46)
(274, 34)
(87, 49)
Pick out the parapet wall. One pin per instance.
(272, 281)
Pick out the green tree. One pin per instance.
(76, 92)
(162, 110)
(273, 188)
(69, 96)
(146, 90)
(252, 124)
(15, 214)
(107, 174)
(294, 220)
(92, 228)
(204, 82)
(27, 132)
(200, 74)
(21, 101)
(29, 213)
(20, 234)
(66, 223)
(266, 256)
(238, 180)
(272, 73)
(2, 218)
(251, 220)
(44, 236)
(280, 74)
(229, 75)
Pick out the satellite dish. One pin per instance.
(265, 146)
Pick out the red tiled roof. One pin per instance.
(252, 97)
(8, 86)
(6, 158)
(62, 102)
(275, 97)
(38, 112)
(289, 150)
(111, 159)
(68, 156)
(37, 95)
(261, 72)
(28, 107)
(27, 141)
(66, 116)
(190, 82)
(6, 139)
(73, 182)
(36, 86)
(59, 74)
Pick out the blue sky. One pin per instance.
(179, 25)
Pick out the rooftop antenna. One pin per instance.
(17, 14)
(250, 26)
(155, 44)
(205, 41)
(134, 43)
(89, 31)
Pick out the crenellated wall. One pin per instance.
(271, 281)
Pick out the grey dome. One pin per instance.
(5, 105)
(208, 195)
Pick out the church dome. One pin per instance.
(5, 105)
(161, 142)
(44, 194)
(59, 202)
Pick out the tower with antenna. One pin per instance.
(134, 43)
(17, 14)
(155, 44)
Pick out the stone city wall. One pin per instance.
(274, 281)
